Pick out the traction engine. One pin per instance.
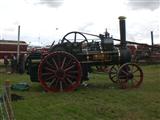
(65, 65)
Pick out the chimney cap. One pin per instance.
(122, 17)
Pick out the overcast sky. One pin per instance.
(43, 21)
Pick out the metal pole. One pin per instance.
(18, 52)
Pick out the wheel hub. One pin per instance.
(130, 76)
(60, 74)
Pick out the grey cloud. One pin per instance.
(51, 3)
(144, 4)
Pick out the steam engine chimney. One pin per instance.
(125, 54)
(122, 25)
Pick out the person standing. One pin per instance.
(6, 62)
(13, 63)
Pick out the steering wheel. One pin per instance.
(74, 37)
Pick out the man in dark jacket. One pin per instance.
(13, 64)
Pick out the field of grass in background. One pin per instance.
(101, 100)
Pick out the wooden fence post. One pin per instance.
(7, 101)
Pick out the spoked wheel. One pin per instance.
(59, 71)
(113, 71)
(130, 75)
(74, 37)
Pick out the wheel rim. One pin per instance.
(113, 73)
(59, 71)
(130, 76)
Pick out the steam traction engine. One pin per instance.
(65, 66)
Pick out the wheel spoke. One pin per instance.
(50, 83)
(124, 72)
(137, 76)
(135, 70)
(68, 63)
(71, 76)
(113, 76)
(116, 70)
(72, 66)
(55, 63)
(75, 37)
(48, 63)
(58, 60)
(135, 80)
(50, 78)
(49, 69)
(50, 66)
(70, 81)
(63, 62)
(67, 40)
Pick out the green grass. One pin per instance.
(101, 100)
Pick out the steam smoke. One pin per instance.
(144, 4)
(51, 3)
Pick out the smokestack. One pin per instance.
(122, 25)
(152, 39)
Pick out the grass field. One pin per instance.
(101, 100)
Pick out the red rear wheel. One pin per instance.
(59, 71)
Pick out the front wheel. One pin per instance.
(130, 75)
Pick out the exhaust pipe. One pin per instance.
(122, 25)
